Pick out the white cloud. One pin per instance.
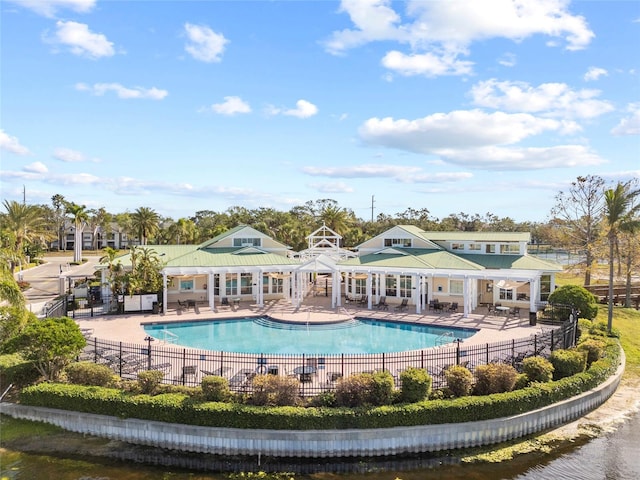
(507, 60)
(551, 99)
(204, 44)
(439, 32)
(401, 173)
(12, 144)
(68, 155)
(36, 167)
(49, 8)
(499, 158)
(304, 109)
(231, 106)
(332, 187)
(459, 129)
(81, 41)
(428, 64)
(100, 89)
(629, 125)
(594, 73)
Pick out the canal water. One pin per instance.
(614, 456)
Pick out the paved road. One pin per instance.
(45, 278)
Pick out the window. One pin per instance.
(457, 246)
(231, 284)
(245, 284)
(216, 284)
(361, 286)
(545, 287)
(456, 287)
(405, 286)
(391, 286)
(509, 248)
(490, 248)
(475, 247)
(506, 294)
(246, 242)
(186, 285)
(397, 242)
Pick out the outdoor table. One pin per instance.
(502, 309)
(305, 372)
(236, 301)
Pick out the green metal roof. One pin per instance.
(477, 236)
(229, 257)
(520, 262)
(413, 258)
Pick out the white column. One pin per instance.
(467, 294)
(223, 285)
(415, 291)
(210, 290)
(534, 293)
(164, 291)
(369, 290)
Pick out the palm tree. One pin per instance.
(183, 231)
(145, 221)
(9, 289)
(619, 213)
(22, 224)
(80, 218)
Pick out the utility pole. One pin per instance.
(372, 202)
(24, 195)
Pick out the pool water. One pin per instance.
(264, 335)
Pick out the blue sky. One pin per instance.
(457, 106)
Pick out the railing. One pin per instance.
(316, 373)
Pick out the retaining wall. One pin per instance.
(322, 443)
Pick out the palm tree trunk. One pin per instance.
(610, 309)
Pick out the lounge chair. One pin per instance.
(187, 372)
(403, 305)
(382, 304)
(363, 300)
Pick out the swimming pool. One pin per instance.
(265, 335)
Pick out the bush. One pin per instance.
(89, 373)
(522, 381)
(215, 389)
(567, 363)
(495, 378)
(416, 385)
(324, 399)
(594, 349)
(149, 380)
(537, 369)
(354, 390)
(382, 387)
(459, 380)
(581, 298)
(17, 371)
(274, 390)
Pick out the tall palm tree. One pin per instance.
(619, 213)
(183, 231)
(145, 221)
(9, 290)
(80, 217)
(22, 224)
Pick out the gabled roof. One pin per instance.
(240, 231)
(397, 231)
(413, 258)
(245, 257)
(477, 236)
(519, 262)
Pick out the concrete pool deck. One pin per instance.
(491, 328)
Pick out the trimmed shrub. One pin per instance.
(215, 389)
(594, 349)
(17, 371)
(89, 373)
(149, 380)
(567, 363)
(495, 378)
(416, 385)
(382, 387)
(522, 381)
(354, 390)
(459, 380)
(324, 399)
(537, 369)
(274, 390)
(579, 297)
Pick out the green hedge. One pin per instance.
(181, 408)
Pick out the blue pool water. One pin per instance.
(264, 335)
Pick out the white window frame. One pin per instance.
(456, 287)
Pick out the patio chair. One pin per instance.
(403, 305)
(225, 302)
(382, 304)
(363, 300)
(187, 372)
(515, 311)
(454, 307)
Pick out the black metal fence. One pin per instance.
(315, 373)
